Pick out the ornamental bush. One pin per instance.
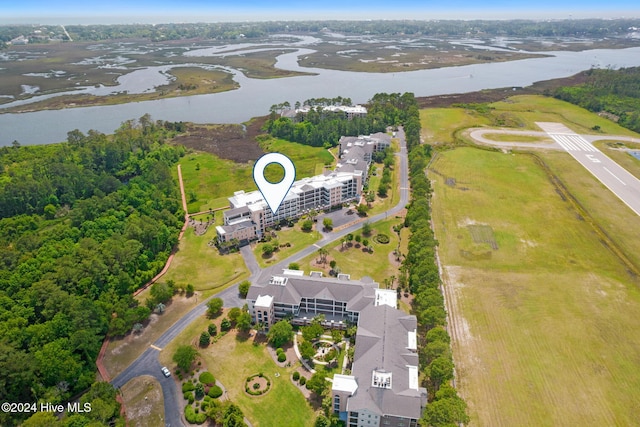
(188, 386)
(296, 376)
(215, 392)
(303, 380)
(381, 238)
(207, 378)
(282, 357)
(193, 417)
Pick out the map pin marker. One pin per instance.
(274, 194)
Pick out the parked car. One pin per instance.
(165, 372)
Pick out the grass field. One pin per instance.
(621, 157)
(357, 262)
(202, 265)
(295, 236)
(515, 138)
(212, 179)
(544, 326)
(231, 360)
(439, 124)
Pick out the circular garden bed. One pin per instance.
(381, 238)
(257, 385)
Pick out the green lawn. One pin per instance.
(525, 110)
(202, 265)
(359, 263)
(516, 138)
(439, 124)
(213, 180)
(295, 236)
(231, 361)
(545, 324)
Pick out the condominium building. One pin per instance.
(250, 214)
(383, 388)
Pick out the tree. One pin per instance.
(234, 314)
(233, 417)
(312, 332)
(306, 350)
(160, 308)
(358, 238)
(184, 356)
(205, 339)
(225, 325)
(365, 243)
(212, 329)
(383, 189)
(161, 292)
(323, 255)
(327, 223)
(244, 321)
(280, 333)
(267, 249)
(439, 371)
(370, 198)
(447, 409)
(214, 306)
(362, 209)
(366, 228)
(317, 383)
(243, 288)
(322, 421)
(307, 225)
(333, 263)
(189, 289)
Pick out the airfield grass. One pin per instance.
(545, 325)
(212, 179)
(515, 138)
(621, 157)
(440, 124)
(232, 359)
(295, 236)
(144, 401)
(355, 260)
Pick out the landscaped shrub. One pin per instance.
(215, 392)
(188, 386)
(381, 238)
(207, 378)
(279, 350)
(296, 376)
(199, 391)
(303, 380)
(188, 395)
(194, 417)
(212, 329)
(282, 357)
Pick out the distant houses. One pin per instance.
(349, 111)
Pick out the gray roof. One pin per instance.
(381, 345)
(357, 294)
(236, 211)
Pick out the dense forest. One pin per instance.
(82, 225)
(320, 128)
(616, 92)
(226, 31)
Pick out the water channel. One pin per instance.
(255, 96)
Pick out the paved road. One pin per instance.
(148, 364)
(620, 182)
(613, 176)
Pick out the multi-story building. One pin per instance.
(383, 388)
(250, 214)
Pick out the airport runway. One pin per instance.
(614, 177)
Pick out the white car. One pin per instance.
(165, 372)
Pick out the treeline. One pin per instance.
(614, 91)
(83, 224)
(229, 30)
(445, 407)
(320, 128)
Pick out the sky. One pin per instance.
(163, 11)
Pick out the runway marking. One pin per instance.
(593, 159)
(155, 347)
(611, 173)
(316, 245)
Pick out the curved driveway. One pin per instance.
(147, 363)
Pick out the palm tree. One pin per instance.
(323, 255)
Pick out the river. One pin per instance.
(255, 96)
